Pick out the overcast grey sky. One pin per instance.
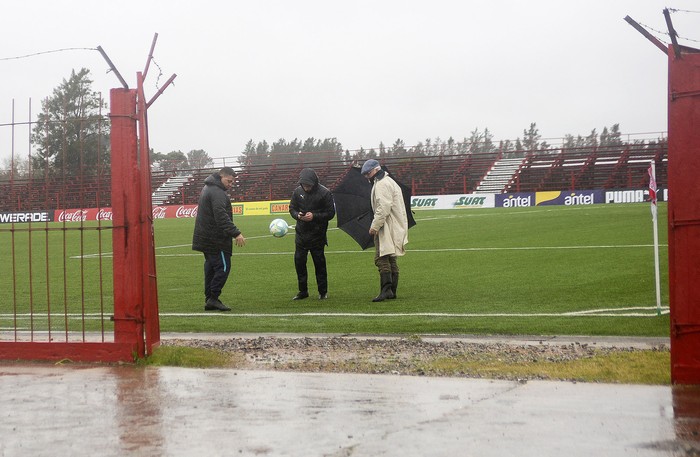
(361, 71)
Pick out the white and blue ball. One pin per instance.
(279, 228)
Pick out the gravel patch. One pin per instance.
(400, 356)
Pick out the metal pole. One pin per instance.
(654, 218)
(112, 67)
(646, 34)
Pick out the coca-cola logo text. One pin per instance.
(184, 211)
(159, 212)
(72, 216)
(104, 215)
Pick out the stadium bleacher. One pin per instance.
(619, 167)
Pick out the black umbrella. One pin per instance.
(354, 209)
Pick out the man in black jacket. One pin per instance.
(214, 232)
(312, 206)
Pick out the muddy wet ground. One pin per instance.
(76, 410)
(114, 411)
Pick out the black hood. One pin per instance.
(214, 180)
(308, 176)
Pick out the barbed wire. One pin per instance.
(688, 39)
(658, 32)
(47, 52)
(667, 34)
(676, 10)
(160, 72)
(35, 54)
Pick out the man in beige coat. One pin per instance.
(389, 227)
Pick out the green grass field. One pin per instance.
(538, 270)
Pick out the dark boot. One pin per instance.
(385, 281)
(394, 283)
(214, 304)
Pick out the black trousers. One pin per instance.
(319, 258)
(217, 267)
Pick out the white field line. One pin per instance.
(607, 312)
(475, 249)
(426, 219)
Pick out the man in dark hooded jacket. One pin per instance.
(214, 232)
(312, 206)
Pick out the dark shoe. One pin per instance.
(213, 304)
(323, 296)
(386, 293)
(394, 284)
(301, 296)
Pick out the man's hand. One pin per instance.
(240, 241)
(373, 232)
(306, 217)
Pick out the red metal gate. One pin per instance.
(56, 299)
(683, 202)
(684, 213)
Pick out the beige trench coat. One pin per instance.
(389, 217)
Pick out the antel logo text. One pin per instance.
(579, 199)
(516, 202)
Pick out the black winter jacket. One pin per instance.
(319, 201)
(214, 229)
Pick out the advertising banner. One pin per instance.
(568, 198)
(26, 216)
(457, 201)
(634, 195)
(279, 207)
(82, 214)
(427, 202)
(517, 200)
(559, 197)
(263, 208)
(105, 214)
(174, 211)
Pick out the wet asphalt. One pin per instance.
(81, 410)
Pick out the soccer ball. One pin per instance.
(279, 228)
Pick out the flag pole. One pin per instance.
(654, 218)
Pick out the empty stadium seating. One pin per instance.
(618, 167)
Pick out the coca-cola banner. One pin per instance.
(174, 211)
(105, 214)
(82, 214)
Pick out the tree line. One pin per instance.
(478, 142)
(71, 136)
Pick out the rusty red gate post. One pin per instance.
(126, 241)
(684, 214)
(148, 256)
